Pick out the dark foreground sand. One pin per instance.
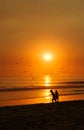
(59, 116)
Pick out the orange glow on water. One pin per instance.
(47, 80)
(47, 94)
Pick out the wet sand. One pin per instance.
(67, 115)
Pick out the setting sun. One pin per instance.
(47, 57)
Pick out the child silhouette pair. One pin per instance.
(55, 95)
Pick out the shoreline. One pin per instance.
(41, 100)
(35, 104)
(49, 116)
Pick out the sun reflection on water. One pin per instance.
(47, 80)
(47, 94)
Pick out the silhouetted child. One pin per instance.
(57, 95)
(53, 96)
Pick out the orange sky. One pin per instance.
(29, 29)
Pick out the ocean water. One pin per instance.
(21, 90)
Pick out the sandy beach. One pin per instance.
(52, 116)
